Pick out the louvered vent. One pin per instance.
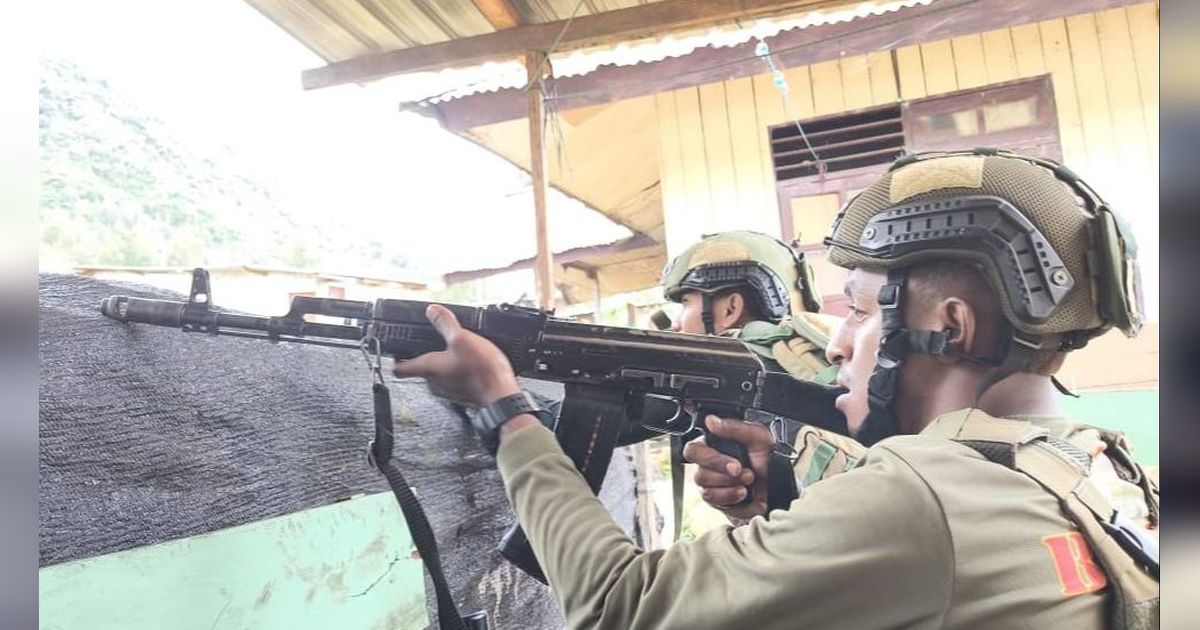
(843, 142)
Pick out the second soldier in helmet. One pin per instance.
(754, 287)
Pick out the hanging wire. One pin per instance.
(553, 121)
(554, 46)
(764, 51)
(550, 118)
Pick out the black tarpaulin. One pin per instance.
(148, 434)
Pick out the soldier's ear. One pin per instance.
(732, 308)
(961, 321)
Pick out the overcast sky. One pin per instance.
(219, 72)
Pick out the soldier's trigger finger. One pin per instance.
(753, 436)
(711, 479)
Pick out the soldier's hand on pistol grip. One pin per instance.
(722, 479)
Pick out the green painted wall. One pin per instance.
(346, 565)
(1134, 412)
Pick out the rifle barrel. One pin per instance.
(199, 318)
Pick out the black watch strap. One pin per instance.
(488, 420)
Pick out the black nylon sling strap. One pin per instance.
(414, 516)
(677, 483)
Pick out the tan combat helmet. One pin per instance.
(776, 274)
(1059, 257)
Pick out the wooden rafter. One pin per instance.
(799, 47)
(501, 14)
(645, 20)
(629, 244)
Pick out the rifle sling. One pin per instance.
(677, 483)
(380, 456)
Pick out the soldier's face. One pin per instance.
(855, 343)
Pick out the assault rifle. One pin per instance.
(616, 380)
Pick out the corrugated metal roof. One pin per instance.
(338, 30)
(453, 83)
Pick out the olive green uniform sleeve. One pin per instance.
(869, 548)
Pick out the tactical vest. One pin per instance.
(796, 345)
(822, 454)
(1125, 552)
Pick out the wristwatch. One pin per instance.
(488, 420)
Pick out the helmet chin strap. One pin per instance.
(884, 383)
(706, 314)
(899, 342)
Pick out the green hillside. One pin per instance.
(119, 187)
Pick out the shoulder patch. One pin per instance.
(1072, 558)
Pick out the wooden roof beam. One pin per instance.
(794, 48)
(637, 241)
(588, 30)
(501, 14)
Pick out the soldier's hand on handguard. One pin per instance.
(471, 369)
(722, 479)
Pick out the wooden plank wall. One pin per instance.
(716, 166)
(715, 163)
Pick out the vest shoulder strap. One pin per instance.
(997, 439)
(1128, 555)
(1120, 452)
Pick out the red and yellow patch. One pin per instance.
(1077, 572)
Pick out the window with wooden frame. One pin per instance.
(854, 149)
(1019, 116)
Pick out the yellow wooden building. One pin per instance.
(676, 164)
(1096, 74)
